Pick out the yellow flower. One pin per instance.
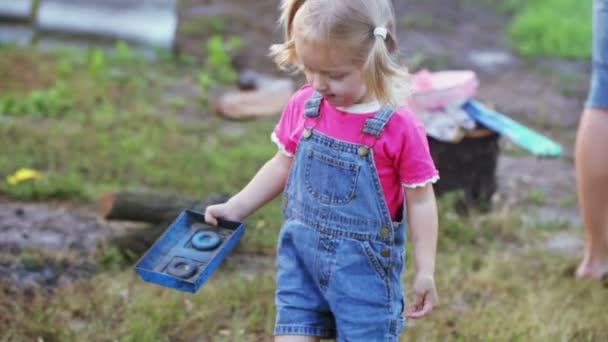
(22, 175)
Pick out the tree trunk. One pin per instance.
(145, 206)
(157, 208)
(150, 206)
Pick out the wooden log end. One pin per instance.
(105, 204)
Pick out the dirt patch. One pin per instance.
(46, 244)
(545, 189)
(52, 227)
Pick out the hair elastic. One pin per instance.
(380, 32)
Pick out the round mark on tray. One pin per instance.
(205, 240)
(182, 268)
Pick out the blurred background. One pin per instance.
(116, 115)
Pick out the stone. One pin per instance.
(490, 60)
(151, 22)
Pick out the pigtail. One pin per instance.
(289, 8)
(386, 79)
(284, 54)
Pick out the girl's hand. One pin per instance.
(224, 211)
(424, 296)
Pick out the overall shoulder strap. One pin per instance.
(375, 125)
(313, 105)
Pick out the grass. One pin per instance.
(96, 120)
(115, 131)
(546, 28)
(495, 283)
(560, 28)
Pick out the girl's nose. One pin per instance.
(319, 83)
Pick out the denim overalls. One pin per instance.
(340, 256)
(598, 90)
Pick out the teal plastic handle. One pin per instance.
(523, 136)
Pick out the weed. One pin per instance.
(218, 66)
(30, 260)
(111, 258)
(537, 197)
(540, 28)
(568, 201)
(418, 22)
(54, 101)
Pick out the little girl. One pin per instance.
(348, 155)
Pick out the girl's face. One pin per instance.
(331, 73)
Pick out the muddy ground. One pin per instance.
(545, 94)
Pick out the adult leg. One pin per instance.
(592, 154)
(592, 183)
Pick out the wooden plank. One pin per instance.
(151, 22)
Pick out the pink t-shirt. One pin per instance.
(401, 153)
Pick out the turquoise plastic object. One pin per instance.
(189, 251)
(523, 136)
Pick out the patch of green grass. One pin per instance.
(537, 197)
(120, 131)
(421, 22)
(560, 28)
(569, 201)
(218, 66)
(542, 304)
(205, 25)
(119, 306)
(474, 229)
(510, 149)
(477, 283)
(263, 229)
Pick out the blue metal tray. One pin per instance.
(189, 251)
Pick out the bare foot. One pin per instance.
(592, 270)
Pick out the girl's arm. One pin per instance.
(263, 187)
(423, 222)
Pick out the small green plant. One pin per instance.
(97, 63)
(421, 22)
(456, 230)
(218, 66)
(55, 101)
(123, 52)
(568, 201)
(560, 28)
(537, 196)
(111, 258)
(30, 260)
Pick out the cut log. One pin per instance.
(158, 209)
(150, 206)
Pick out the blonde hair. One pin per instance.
(350, 24)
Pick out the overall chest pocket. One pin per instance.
(329, 179)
